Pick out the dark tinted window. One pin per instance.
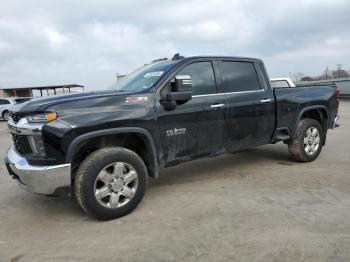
(21, 100)
(203, 80)
(4, 102)
(279, 83)
(240, 76)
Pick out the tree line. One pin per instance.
(326, 75)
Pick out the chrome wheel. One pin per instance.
(311, 141)
(116, 185)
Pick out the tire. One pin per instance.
(91, 179)
(304, 148)
(5, 115)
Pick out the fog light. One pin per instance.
(37, 145)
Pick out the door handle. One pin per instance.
(217, 105)
(266, 100)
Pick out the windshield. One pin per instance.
(279, 83)
(143, 78)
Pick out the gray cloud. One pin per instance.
(87, 42)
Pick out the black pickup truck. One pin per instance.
(103, 146)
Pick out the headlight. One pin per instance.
(43, 117)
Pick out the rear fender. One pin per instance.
(309, 108)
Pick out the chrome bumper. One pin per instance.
(47, 180)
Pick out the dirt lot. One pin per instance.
(253, 206)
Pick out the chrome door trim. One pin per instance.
(229, 93)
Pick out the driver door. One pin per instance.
(196, 128)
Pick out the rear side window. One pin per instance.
(239, 76)
(202, 75)
(279, 83)
(4, 102)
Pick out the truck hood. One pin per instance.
(72, 101)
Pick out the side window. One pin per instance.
(203, 80)
(239, 76)
(4, 102)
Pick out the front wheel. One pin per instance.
(6, 115)
(308, 144)
(110, 183)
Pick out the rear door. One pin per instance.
(251, 107)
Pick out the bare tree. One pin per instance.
(327, 74)
(298, 76)
(306, 79)
(340, 73)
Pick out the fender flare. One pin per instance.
(323, 107)
(113, 131)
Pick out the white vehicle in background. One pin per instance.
(7, 103)
(281, 82)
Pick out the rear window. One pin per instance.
(240, 76)
(279, 83)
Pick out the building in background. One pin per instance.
(39, 90)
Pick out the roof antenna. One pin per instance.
(177, 56)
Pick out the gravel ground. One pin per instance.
(252, 206)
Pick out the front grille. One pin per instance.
(21, 144)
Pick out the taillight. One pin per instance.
(337, 93)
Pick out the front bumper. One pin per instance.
(47, 180)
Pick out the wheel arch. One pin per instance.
(130, 137)
(317, 112)
(3, 112)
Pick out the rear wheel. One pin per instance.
(307, 146)
(6, 115)
(110, 183)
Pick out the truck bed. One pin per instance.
(292, 102)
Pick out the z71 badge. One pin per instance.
(176, 131)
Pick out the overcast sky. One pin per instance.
(87, 42)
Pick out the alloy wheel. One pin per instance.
(116, 185)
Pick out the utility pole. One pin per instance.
(338, 69)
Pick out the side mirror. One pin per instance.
(180, 94)
(183, 83)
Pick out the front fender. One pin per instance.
(74, 145)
